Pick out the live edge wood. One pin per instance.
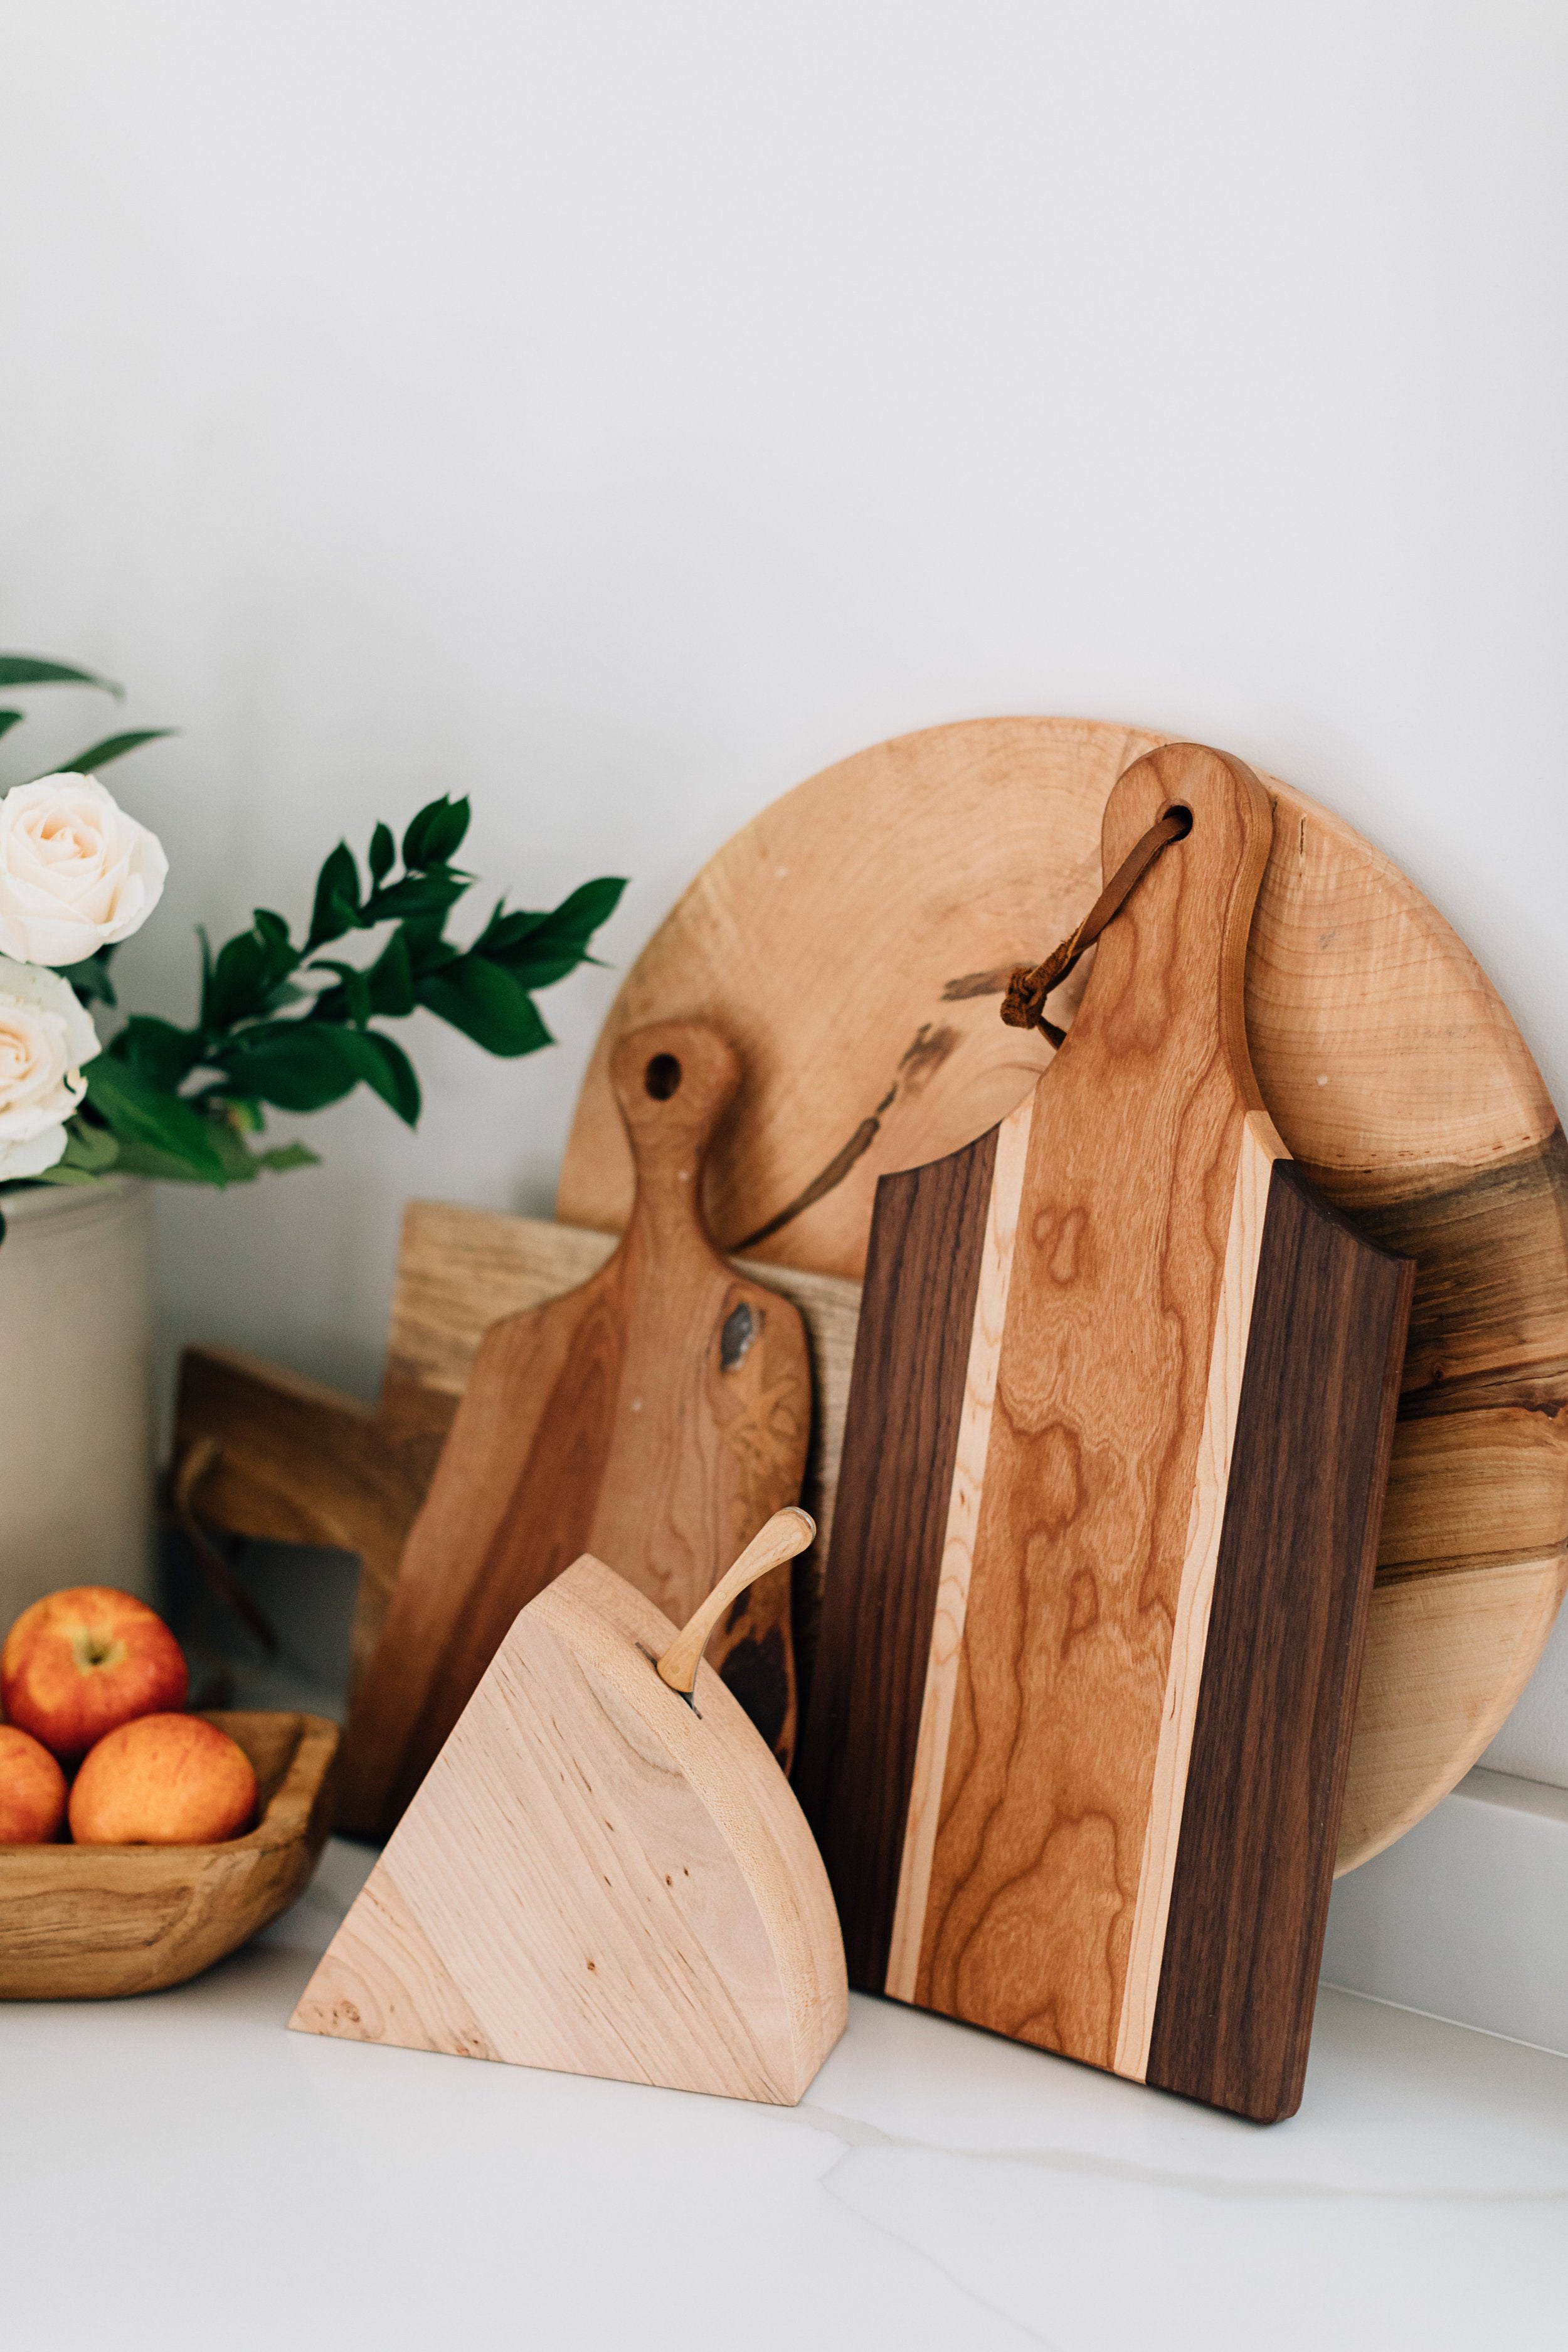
(1091, 1633)
(659, 1413)
(84, 1923)
(1386, 1060)
(598, 1877)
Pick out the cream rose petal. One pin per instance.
(46, 1035)
(76, 873)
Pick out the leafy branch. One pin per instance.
(282, 1024)
(182, 1102)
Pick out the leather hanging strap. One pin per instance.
(1024, 1007)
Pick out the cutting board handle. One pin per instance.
(1175, 957)
(787, 1532)
(674, 1081)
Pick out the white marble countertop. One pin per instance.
(179, 2171)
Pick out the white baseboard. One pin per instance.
(1467, 1918)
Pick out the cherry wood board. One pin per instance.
(661, 1410)
(854, 939)
(1114, 1471)
(597, 1876)
(96, 1922)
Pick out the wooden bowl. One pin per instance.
(83, 1922)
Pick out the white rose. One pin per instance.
(45, 1037)
(75, 872)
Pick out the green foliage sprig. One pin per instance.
(283, 1026)
(182, 1102)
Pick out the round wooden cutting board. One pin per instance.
(853, 941)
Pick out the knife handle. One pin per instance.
(787, 1532)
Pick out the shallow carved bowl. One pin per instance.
(84, 1922)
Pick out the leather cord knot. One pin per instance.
(1023, 1006)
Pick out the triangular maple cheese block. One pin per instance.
(597, 1876)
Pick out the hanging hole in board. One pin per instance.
(662, 1077)
(1179, 809)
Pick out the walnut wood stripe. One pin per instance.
(1250, 1897)
(958, 1550)
(1260, 1148)
(900, 1444)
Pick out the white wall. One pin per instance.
(618, 410)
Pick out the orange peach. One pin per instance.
(32, 1789)
(164, 1780)
(82, 1662)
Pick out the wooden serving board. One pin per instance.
(1112, 1475)
(659, 1412)
(855, 936)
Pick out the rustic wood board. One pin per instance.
(659, 1412)
(853, 940)
(597, 1878)
(1116, 1440)
(94, 1922)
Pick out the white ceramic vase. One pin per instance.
(75, 1391)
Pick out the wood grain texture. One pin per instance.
(1384, 1057)
(1151, 1250)
(597, 1878)
(1128, 1208)
(294, 1461)
(87, 1923)
(1248, 1901)
(459, 1270)
(660, 1413)
(923, 1812)
(1433, 1697)
(1259, 1152)
(890, 1533)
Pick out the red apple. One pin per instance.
(32, 1789)
(164, 1779)
(82, 1661)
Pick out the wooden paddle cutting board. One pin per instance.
(656, 1416)
(1113, 1465)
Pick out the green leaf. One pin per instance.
(297, 1064)
(348, 1002)
(113, 747)
(27, 669)
(388, 1070)
(306, 1064)
(63, 1173)
(383, 850)
(435, 834)
(157, 1050)
(417, 897)
(337, 907)
(138, 1111)
(91, 1148)
(487, 1004)
(286, 1156)
(391, 978)
(9, 718)
(541, 949)
(249, 970)
(90, 979)
(144, 1159)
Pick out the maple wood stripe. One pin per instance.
(1260, 1148)
(958, 1551)
(901, 1434)
(1253, 1862)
